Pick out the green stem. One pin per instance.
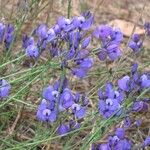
(69, 8)
(12, 61)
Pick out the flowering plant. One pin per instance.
(57, 60)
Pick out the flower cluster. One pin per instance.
(110, 42)
(136, 123)
(67, 127)
(4, 88)
(128, 86)
(82, 63)
(134, 82)
(29, 45)
(7, 32)
(118, 141)
(109, 101)
(61, 99)
(133, 85)
(67, 39)
(110, 104)
(136, 44)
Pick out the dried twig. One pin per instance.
(12, 128)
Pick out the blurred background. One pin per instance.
(121, 13)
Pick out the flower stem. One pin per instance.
(69, 8)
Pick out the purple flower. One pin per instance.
(87, 23)
(145, 81)
(45, 113)
(83, 22)
(119, 144)
(77, 97)
(67, 98)
(134, 68)
(124, 144)
(127, 122)
(112, 104)
(120, 133)
(82, 64)
(54, 50)
(58, 83)
(79, 72)
(9, 35)
(116, 35)
(86, 42)
(101, 94)
(138, 122)
(135, 44)
(109, 91)
(110, 42)
(140, 106)
(51, 35)
(135, 82)
(82, 54)
(84, 100)
(74, 39)
(102, 55)
(63, 129)
(2, 31)
(136, 38)
(67, 127)
(64, 101)
(104, 147)
(78, 21)
(86, 63)
(32, 51)
(74, 125)
(147, 28)
(49, 93)
(26, 41)
(56, 29)
(116, 142)
(70, 27)
(77, 39)
(41, 44)
(119, 95)
(113, 51)
(63, 23)
(102, 32)
(71, 54)
(110, 101)
(4, 88)
(146, 142)
(136, 47)
(113, 140)
(108, 107)
(123, 83)
(78, 110)
(41, 31)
